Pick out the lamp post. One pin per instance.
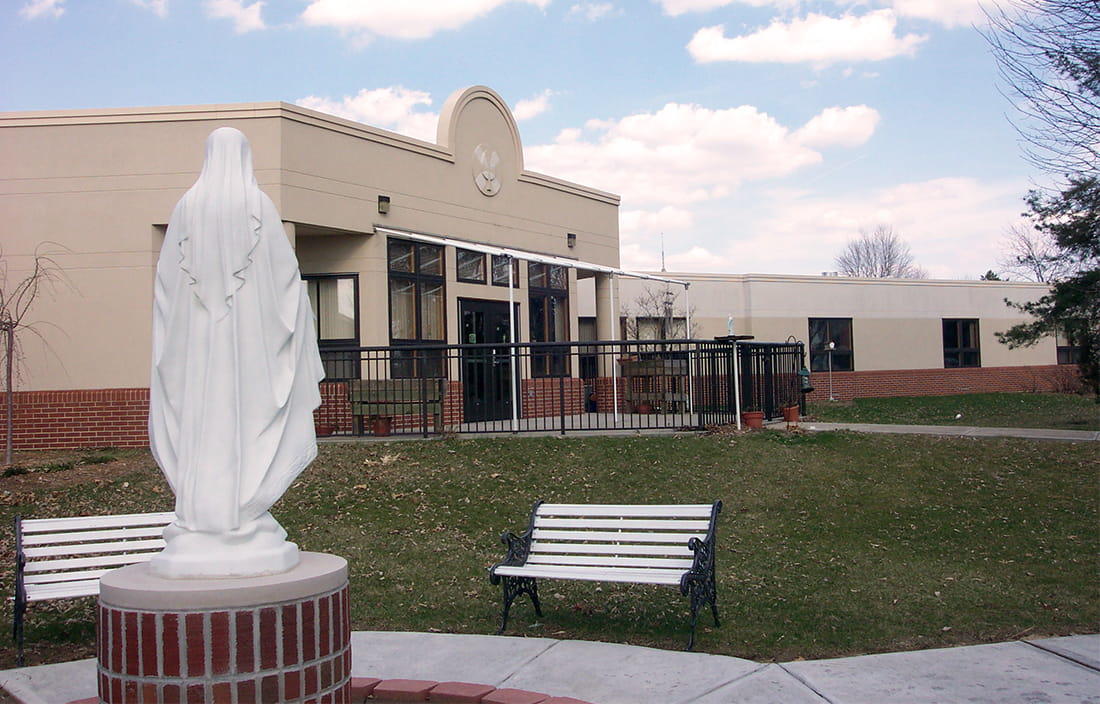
(832, 346)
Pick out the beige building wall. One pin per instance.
(896, 323)
(100, 185)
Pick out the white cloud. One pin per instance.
(668, 219)
(847, 127)
(157, 7)
(816, 39)
(246, 18)
(675, 8)
(393, 108)
(685, 154)
(592, 11)
(949, 13)
(952, 225)
(42, 8)
(364, 19)
(532, 107)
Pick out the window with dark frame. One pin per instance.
(334, 299)
(548, 292)
(960, 343)
(417, 308)
(470, 266)
(1067, 340)
(839, 332)
(500, 270)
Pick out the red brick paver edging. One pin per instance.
(367, 689)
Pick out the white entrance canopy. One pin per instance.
(526, 256)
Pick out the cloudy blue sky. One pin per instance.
(746, 135)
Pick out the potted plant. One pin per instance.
(381, 425)
(752, 417)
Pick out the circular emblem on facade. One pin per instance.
(486, 160)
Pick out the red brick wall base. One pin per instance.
(943, 382)
(295, 651)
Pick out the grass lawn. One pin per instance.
(1062, 411)
(830, 544)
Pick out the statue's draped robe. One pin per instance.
(235, 361)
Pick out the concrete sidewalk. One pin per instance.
(1044, 671)
(960, 431)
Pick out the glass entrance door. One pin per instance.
(486, 360)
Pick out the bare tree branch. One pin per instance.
(879, 254)
(1048, 53)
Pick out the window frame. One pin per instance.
(959, 350)
(460, 254)
(498, 258)
(542, 299)
(413, 363)
(336, 367)
(843, 356)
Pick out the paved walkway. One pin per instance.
(1046, 671)
(961, 431)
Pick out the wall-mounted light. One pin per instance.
(571, 240)
(383, 205)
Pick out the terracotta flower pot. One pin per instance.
(790, 414)
(381, 425)
(753, 419)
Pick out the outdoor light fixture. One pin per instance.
(571, 240)
(383, 205)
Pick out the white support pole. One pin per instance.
(736, 386)
(513, 367)
(614, 370)
(687, 336)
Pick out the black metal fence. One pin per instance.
(559, 387)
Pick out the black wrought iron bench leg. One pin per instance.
(17, 632)
(513, 587)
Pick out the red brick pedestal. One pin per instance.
(275, 639)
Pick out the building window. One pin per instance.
(417, 304)
(470, 266)
(837, 331)
(1068, 341)
(548, 289)
(335, 302)
(500, 270)
(960, 343)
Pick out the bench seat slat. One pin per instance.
(85, 535)
(46, 525)
(667, 510)
(596, 574)
(615, 536)
(81, 562)
(630, 524)
(614, 561)
(50, 551)
(604, 549)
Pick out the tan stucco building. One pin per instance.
(402, 242)
(890, 336)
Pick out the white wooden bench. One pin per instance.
(668, 544)
(63, 558)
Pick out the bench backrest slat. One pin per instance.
(47, 552)
(666, 510)
(82, 562)
(82, 536)
(629, 524)
(611, 561)
(662, 549)
(615, 536)
(48, 525)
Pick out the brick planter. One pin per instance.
(275, 639)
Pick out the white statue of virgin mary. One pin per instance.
(235, 372)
